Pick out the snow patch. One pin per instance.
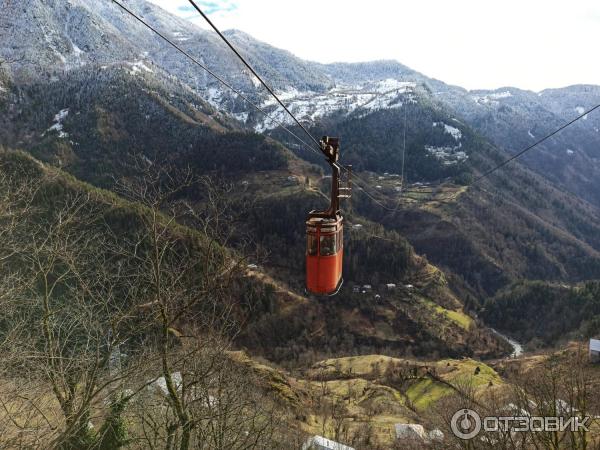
(491, 99)
(309, 106)
(138, 66)
(499, 95)
(452, 131)
(391, 84)
(255, 81)
(58, 125)
(242, 117)
(76, 54)
(580, 110)
(76, 50)
(570, 152)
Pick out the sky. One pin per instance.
(476, 44)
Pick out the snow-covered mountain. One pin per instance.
(65, 35)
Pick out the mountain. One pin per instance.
(96, 104)
(104, 90)
(71, 34)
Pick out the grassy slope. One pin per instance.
(360, 384)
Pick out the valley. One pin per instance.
(153, 231)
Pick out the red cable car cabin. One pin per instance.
(324, 254)
(324, 234)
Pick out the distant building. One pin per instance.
(390, 286)
(367, 287)
(321, 443)
(595, 350)
(357, 226)
(291, 180)
(409, 286)
(356, 289)
(436, 435)
(410, 431)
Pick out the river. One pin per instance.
(517, 348)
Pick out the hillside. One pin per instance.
(89, 233)
(564, 312)
(359, 400)
(153, 245)
(95, 111)
(94, 120)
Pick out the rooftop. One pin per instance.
(321, 443)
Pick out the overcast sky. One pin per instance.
(530, 44)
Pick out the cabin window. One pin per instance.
(328, 245)
(311, 244)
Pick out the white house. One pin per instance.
(321, 443)
(410, 431)
(160, 384)
(436, 435)
(595, 350)
(390, 286)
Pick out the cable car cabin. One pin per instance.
(324, 232)
(324, 254)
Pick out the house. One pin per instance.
(436, 435)
(390, 286)
(321, 443)
(411, 431)
(367, 287)
(291, 180)
(356, 289)
(160, 384)
(595, 350)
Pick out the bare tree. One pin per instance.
(117, 314)
(188, 279)
(76, 312)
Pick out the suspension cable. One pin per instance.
(215, 76)
(247, 64)
(525, 150)
(246, 99)
(312, 138)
